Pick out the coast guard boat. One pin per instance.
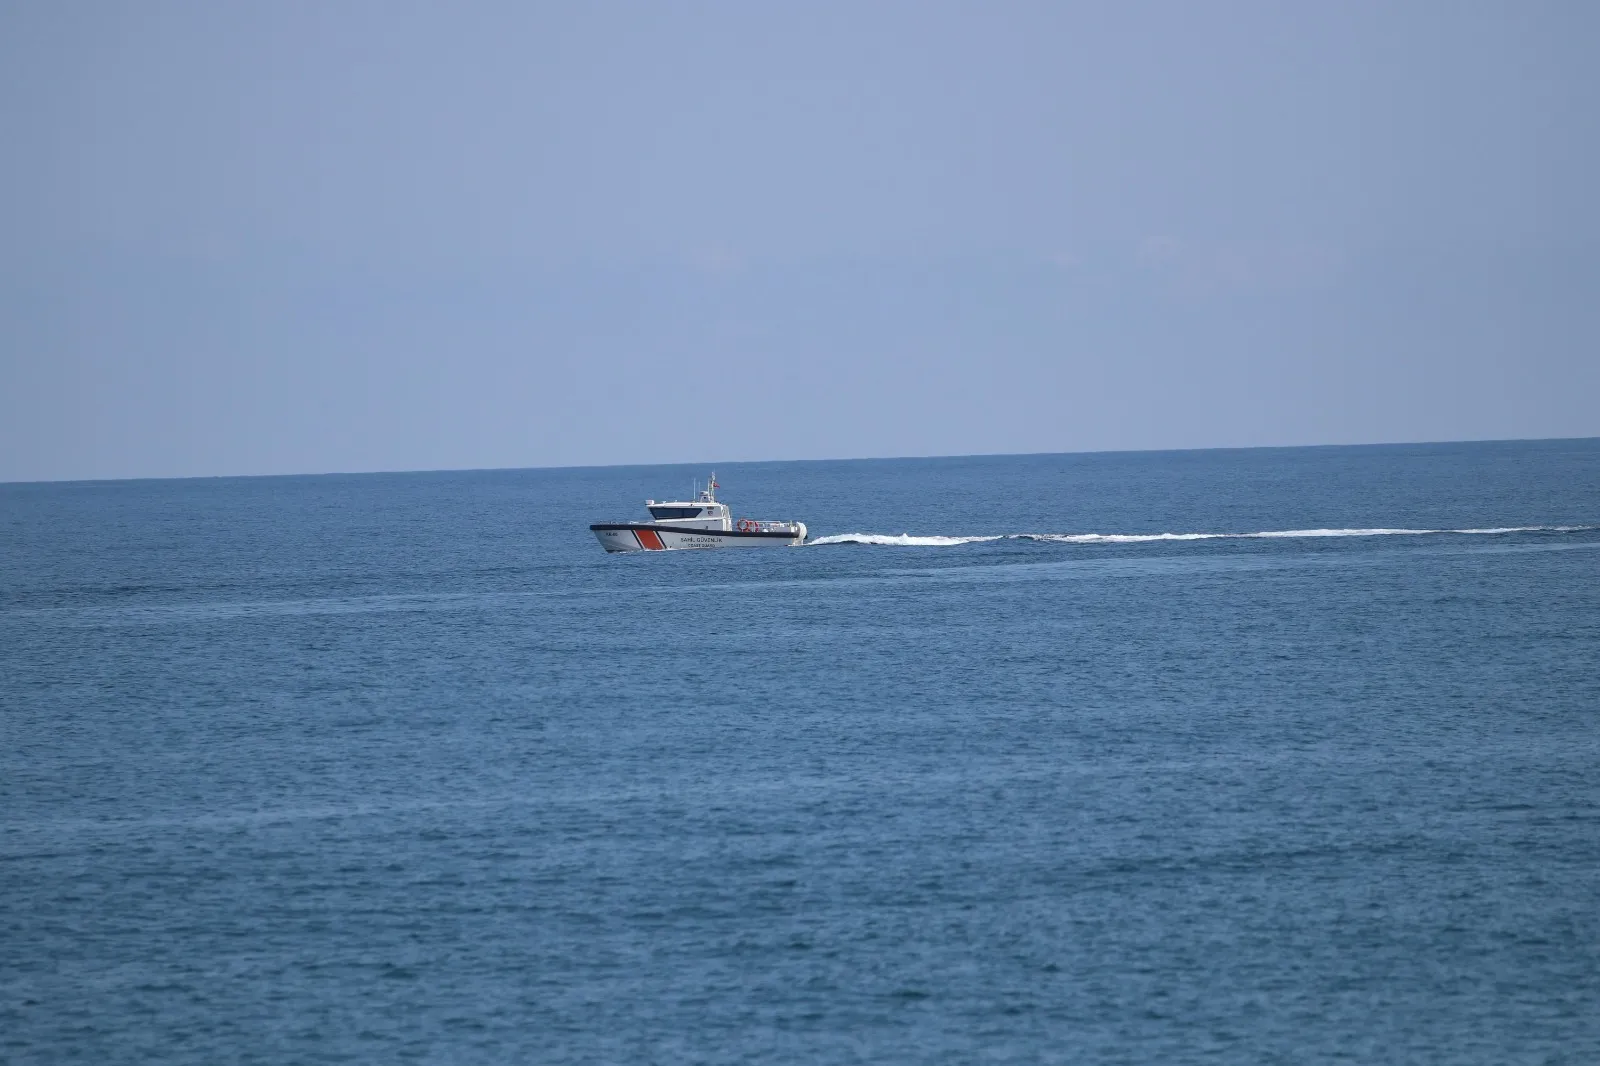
(699, 523)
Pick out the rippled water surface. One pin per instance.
(1013, 765)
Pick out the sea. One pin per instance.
(1248, 756)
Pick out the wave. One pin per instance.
(906, 540)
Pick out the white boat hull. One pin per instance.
(633, 537)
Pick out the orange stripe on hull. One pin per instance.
(650, 539)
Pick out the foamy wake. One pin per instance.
(906, 540)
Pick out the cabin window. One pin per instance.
(675, 512)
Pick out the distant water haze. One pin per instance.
(371, 236)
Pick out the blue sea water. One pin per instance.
(403, 767)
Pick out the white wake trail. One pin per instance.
(907, 540)
(904, 540)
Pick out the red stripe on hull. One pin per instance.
(649, 540)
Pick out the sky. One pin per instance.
(345, 235)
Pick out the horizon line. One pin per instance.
(755, 462)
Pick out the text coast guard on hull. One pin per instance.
(699, 523)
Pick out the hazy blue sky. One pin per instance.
(311, 236)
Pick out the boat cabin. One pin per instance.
(704, 512)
